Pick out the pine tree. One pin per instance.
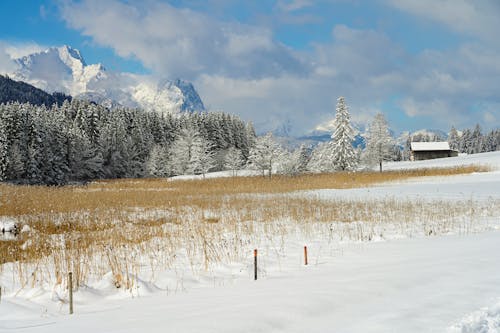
(185, 151)
(379, 141)
(158, 162)
(466, 142)
(303, 155)
(343, 155)
(488, 143)
(251, 138)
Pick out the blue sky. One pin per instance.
(424, 64)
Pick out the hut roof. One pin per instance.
(430, 146)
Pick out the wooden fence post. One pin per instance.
(255, 263)
(305, 255)
(70, 287)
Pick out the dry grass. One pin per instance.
(103, 226)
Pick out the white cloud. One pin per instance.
(269, 102)
(242, 69)
(480, 18)
(180, 42)
(7, 65)
(368, 68)
(18, 50)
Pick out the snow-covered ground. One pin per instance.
(475, 186)
(491, 159)
(418, 285)
(423, 284)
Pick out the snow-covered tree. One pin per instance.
(203, 156)
(191, 153)
(84, 160)
(466, 142)
(4, 150)
(302, 155)
(476, 140)
(79, 140)
(158, 162)
(264, 154)
(320, 160)
(295, 162)
(453, 138)
(379, 142)
(343, 155)
(233, 160)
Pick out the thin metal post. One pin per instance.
(305, 255)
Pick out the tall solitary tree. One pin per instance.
(379, 141)
(343, 155)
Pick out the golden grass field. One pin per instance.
(101, 226)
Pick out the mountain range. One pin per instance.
(63, 69)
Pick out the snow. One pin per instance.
(395, 283)
(63, 69)
(484, 320)
(491, 159)
(417, 285)
(7, 224)
(418, 146)
(476, 186)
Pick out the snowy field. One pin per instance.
(401, 282)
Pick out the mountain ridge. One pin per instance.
(64, 69)
(18, 91)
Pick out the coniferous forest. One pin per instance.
(79, 141)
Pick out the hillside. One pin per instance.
(16, 91)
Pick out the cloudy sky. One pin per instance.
(424, 64)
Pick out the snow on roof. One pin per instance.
(419, 146)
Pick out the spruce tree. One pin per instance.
(343, 155)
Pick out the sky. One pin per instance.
(283, 63)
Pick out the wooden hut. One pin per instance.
(429, 150)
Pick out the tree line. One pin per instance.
(473, 140)
(81, 141)
(468, 141)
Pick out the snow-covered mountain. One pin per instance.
(64, 69)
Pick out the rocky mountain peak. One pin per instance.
(63, 69)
